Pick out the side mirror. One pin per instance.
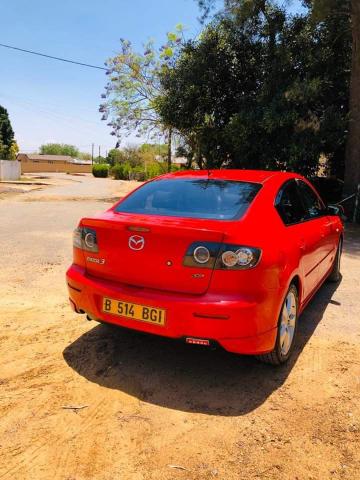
(337, 210)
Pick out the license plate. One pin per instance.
(156, 316)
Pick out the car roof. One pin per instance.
(256, 176)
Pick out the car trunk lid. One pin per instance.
(147, 252)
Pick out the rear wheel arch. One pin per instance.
(298, 284)
(295, 280)
(341, 242)
(286, 328)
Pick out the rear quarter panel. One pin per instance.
(269, 281)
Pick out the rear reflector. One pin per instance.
(198, 341)
(205, 315)
(74, 288)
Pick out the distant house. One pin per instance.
(52, 163)
(179, 161)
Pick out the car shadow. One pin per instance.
(182, 377)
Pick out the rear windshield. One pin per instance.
(198, 198)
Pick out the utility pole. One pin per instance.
(92, 153)
(99, 152)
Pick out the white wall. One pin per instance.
(10, 170)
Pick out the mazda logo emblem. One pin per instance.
(136, 242)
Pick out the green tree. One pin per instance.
(130, 155)
(115, 156)
(59, 149)
(2, 149)
(260, 90)
(153, 158)
(13, 151)
(160, 149)
(7, 138)
(350, 10)
(341, 13)
(130, 98)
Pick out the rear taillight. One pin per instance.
(221, 256)
(201, 254)
(240, 257)
(85, 239)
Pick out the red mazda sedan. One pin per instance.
(224, 257)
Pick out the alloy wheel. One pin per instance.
(288, 323)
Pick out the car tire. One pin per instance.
(286, 330)
(335, 274)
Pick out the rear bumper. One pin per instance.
(245, 326)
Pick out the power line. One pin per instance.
(52, 57)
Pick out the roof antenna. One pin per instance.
(208, 178)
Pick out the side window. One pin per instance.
(313, 204)
(289, 204)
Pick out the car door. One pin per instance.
(302, 239)
(321, 225)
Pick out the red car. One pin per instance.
(224, 257)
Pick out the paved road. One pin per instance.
(79, 187)
(151, 403)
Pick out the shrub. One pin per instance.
(124, 171)
(138, 173)
(127, 170)
(100, 170)
(121, 171)
(117, 171)
(154, 169)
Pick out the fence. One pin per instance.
(356, 198)
(10, 170)
(58, 166)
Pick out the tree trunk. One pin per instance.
(199, 159)
(352, 160)
(169, 150)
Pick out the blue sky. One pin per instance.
(51, 101)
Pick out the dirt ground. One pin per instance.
(155, 409)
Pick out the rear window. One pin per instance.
(197, 198)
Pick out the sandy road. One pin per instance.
(152, 405)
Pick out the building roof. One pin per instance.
(56, 158)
